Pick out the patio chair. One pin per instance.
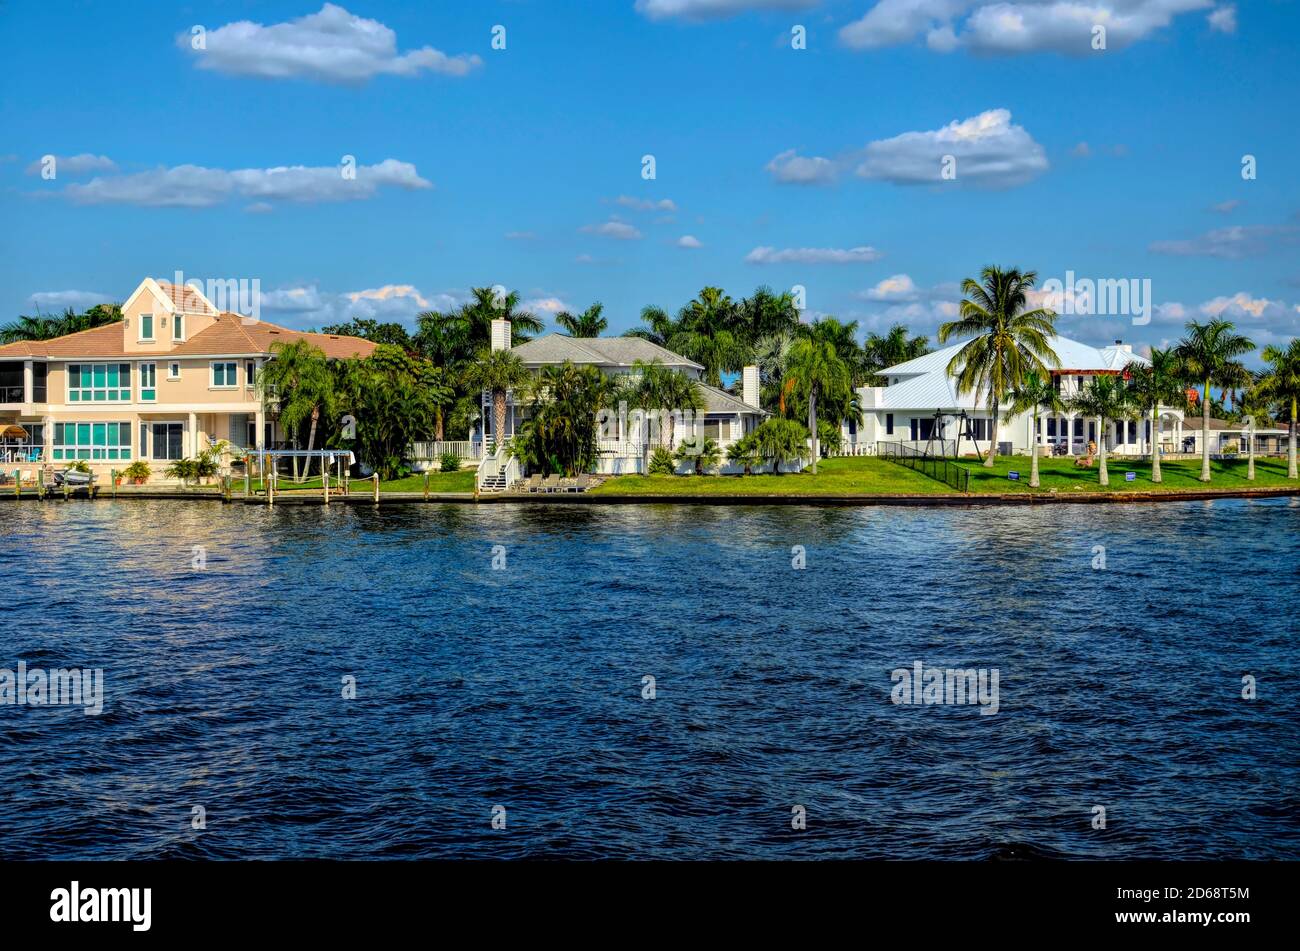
(582, 483)
(533, 484)
(551, 484)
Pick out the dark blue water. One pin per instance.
(522, 687)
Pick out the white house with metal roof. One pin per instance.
(626, 439)
(919, 405)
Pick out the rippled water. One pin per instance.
(522, 687)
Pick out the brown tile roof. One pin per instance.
(230, 334)
(185, 299)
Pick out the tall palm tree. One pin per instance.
(590, 323)
(1279, 383)
(659, 326)
(817, 369)
(1037, 394)
(1105, 398)
(895, 347)
(1009, 341)
(298, 384)
(1157, 384)
(1208, 355)
(497, 371)
(764, 314)
(667, 391)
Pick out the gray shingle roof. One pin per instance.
(720, 401)
(601, 351)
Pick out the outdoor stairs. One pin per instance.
(494, 483)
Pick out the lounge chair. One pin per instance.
(551, 484)
(533, 484)
(582, 483)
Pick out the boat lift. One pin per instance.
(341, 459)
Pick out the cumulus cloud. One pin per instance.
(899, 287)
(1224, 19)
(712, 9)
(306, 305)
(1265, 320)
(73, 165)
(1009, 27)
(689, 241)
(989, 150)
(645, 204)
(1234, 242)
(544, 305)
(614, 228)
(792, 168)
(193, 186)
(331, 45)
(768, 255)
(1226, 207)
(48, 302)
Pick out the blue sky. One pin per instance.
(522, 166)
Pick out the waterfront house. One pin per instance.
(173, 377)
(625, 441)
(1229, 438)
(919, 406)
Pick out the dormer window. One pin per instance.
(178, 327)
(146, 327)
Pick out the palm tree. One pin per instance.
(498, 371)
(701, 452)
(764, 314)
(817, 368)
(47, 326)
(590, 323)
(1034, 393)
(667, 391)
(744, 453)
(1208, 355)
(1009, 341)
(298, 384)
(1153, 385)
(895, 347)
(1280, 384)
(781, 440)
(1107, 399)
(843, 338)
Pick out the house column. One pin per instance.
(1068, 421)
(192, 436)
(47, 438)
(27, 382)
(259, 435)
(1178, 434)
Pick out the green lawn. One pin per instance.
(462, 481)
(870, 475)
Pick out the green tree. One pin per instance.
(1279, 384)
(668, 392)
(1034, 394)
(1106, 398)
(394, 398)
(559, 434)
(497, 371)
(817, 369)
(744, 453)
(1208, 356)
(703, 453)
(367, 329)
(1158, 384)
(895, 347)
(1008, 341)
(48, 326)
(781, 441)
(590, 323)
(298, 386)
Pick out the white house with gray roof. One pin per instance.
(625, 439)
(920, 405)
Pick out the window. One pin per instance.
(99, 382)
(914, 428)
(178, 327)
(167, 440)
(148, 382)
(94, 441)
(250, 372)
(146, 326)
(979, 428)
(225, 373)
(174, 370)
(715, 429)
(40, 374)
(889, 424)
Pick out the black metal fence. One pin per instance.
(936, 467)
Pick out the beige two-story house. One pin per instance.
(173, 377)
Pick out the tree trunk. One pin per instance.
(1102, 474)
(311, 441)
(1290, 451)
(1033, 455)
(1155, 444)
(498, 419)
(1250, 454)
(812, 426)
(993, 434)
(1205, 434)
(438, 432)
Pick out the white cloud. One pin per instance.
(645, 204)
(1082, 150)
(791, 168)
(307, 306)
(1226, 207)
(1233, 242)
(768, 255)
(544, 305)
(1013, 26)
(47, 302)
(713, 9)
(1241, 306)
(989, 151)
(73, 165)
(332, 45)
(1224, 19)
(900, 287)
(193, 186)
(689, 241)
(614, 228)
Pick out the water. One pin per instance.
(522, 687)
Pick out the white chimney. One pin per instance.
(501, 334)
(749, 385)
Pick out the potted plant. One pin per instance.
(138, 472)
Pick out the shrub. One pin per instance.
(700, 452)
(781, 440)
(449, 462)
(661, 462)
(744, 452)
(137, 471)
(79, 466)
